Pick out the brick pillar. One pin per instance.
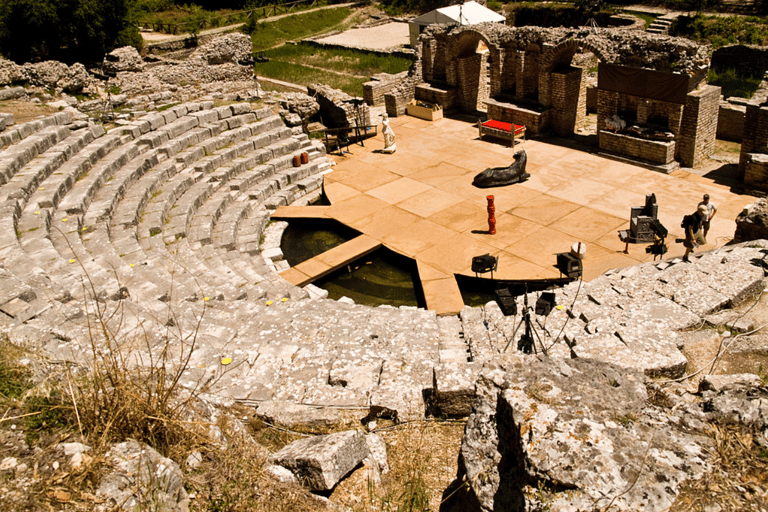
(497, 66)
(581, 106)
(755, 135)
(699, 126)
(607, 106)
(427, 59)
(564, 97)
(520, 75)
(439, 64)
(545, 95)
(469, 81)
(484, 84)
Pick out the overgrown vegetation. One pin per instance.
(732, 83)
(720, 31)
(271, 34)
(65, 30)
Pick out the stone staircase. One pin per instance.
(662, 24)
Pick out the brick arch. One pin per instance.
(563, 53)
(465, 41)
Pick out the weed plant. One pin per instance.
(732, 84)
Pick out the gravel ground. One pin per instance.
(382, 37)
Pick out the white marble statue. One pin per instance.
(389, 135)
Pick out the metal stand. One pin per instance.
(526, 343)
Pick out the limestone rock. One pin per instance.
(291, 414)
(321, 462)
(733, 382)
(122, 59)
(301, 104)
(75, 79)
(752, 222)
(141, 475)
(10, 72)
(281, 474)
(573, 424)
(234, 48)
(736, 399)
(47, 73)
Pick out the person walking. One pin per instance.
(711, 211)
(692, 224)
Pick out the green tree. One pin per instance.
(66, 30)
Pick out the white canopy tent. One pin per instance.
(468, 13)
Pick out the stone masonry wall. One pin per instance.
(730, 121)
(607, 106)
(654, 151)
(660, 112)
(383, 83)
(446, 98)
(699, 126)
(339, 109)
(755, 137)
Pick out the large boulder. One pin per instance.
(231, 48)
(11, 73)
(122, 59)
(573, 434)
(75, 79)
(46, 73)
(752, 222)
(140, 475)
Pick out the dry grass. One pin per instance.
(422, 459)
(739, 478)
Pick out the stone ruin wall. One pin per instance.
(534, 65)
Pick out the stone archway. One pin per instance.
(563, 86)
(476, 63)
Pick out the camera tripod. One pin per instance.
(527, 342)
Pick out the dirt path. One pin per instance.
(157, 37)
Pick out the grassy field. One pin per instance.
(342, 60)
(304, 75)
(304, 64)
(271, 34)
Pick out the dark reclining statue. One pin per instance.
(500, 176)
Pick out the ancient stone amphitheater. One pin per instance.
(147, 236)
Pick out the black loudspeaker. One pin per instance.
(484, 263)
(569, 265)
(545, 303)
(506, 302)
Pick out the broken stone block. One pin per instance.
(585, 426)
(141, 475)
(321, 462)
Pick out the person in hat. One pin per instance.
(711, 211)
(692, 225)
